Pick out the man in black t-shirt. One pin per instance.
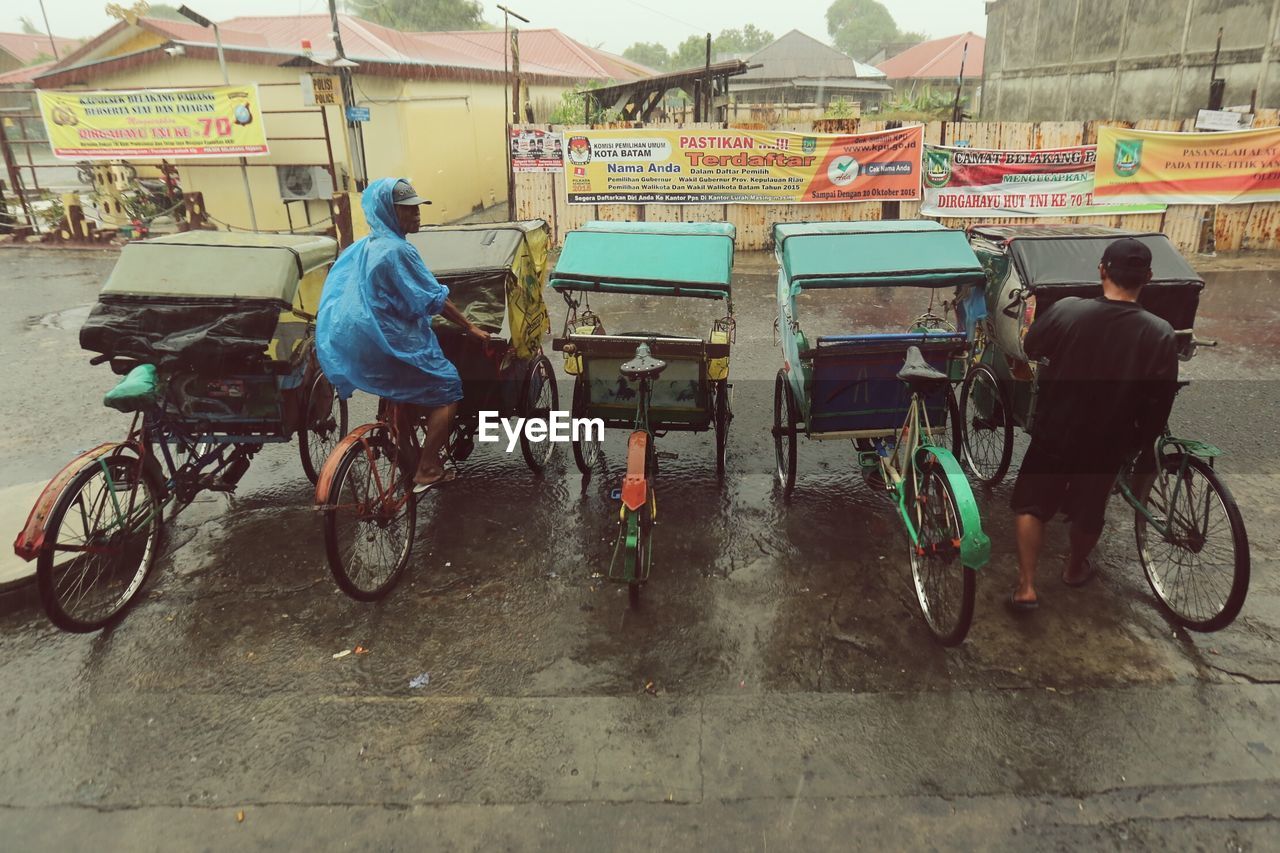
(1105, 391)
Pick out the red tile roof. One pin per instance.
(27, 48)
(542, 51)
(25, 75)
(546, 55)
(937, 58)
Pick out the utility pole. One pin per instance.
(355, 129)
(197, 18)
(52, 44)
(507, 14)
(957, 114)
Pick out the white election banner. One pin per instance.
(982, 183)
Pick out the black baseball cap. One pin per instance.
(404, 193)
(1127, 253)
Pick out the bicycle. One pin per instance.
(1199, 576)
(639, 510)
(932, 496)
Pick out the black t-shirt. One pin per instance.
(1110, 379)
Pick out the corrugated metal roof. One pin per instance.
(938, 58)
(798, 55)
(28, 47)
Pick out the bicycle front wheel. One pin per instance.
(1198, 566)
(985, 441)
(370, 518)
(101, 542)
(945, 588)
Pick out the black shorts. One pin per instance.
(1075, 483)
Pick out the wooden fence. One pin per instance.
(1192, 228)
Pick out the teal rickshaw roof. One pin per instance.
(667, 258)
(906, 253)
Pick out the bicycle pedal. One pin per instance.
(667, 454)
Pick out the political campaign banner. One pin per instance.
(535, 150)
(1235, 167)
(981, 183)
(219, 121)
(658, 166)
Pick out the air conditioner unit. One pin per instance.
(303, 182)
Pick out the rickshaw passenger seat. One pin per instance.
(917, 373)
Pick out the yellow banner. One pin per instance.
(172, 123)
(1237, 167)
(650, 166)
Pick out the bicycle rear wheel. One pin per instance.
(944, 587)
(784, 433)
(721, 417)
(370, 518)
(1199, 568)
(324, 423)
(539, 397)
(101, 542)
(586, 446)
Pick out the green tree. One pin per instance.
(649, 53)
(29, 28)
(690, 53)
(859, 27)
(421, 15)
(740, 42)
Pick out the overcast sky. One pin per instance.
(610, 24)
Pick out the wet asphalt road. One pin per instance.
(778, 686)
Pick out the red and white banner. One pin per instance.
(982, 183)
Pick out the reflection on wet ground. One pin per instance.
(751, 594)
(504, 594)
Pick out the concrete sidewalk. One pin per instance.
(15, 505)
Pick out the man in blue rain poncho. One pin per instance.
(373, 329)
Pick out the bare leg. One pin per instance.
(1030, 539)
(1082, 544)
(439, 421)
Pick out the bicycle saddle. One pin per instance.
(643, 366)
(917, 372)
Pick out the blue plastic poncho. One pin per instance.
(373, 329)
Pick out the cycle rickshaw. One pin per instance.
(214, 334)
(890, 394)
(495, 273)
(649, 382)
(1190, 534)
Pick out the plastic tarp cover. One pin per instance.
(1074, 260)
(491, 270)
(481, 296)
(211, 333)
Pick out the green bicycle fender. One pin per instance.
(975, 546)
(1202, 449)
(631, 547)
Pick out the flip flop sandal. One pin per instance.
(1091, 572)
(422, 488)
(1020, 607)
